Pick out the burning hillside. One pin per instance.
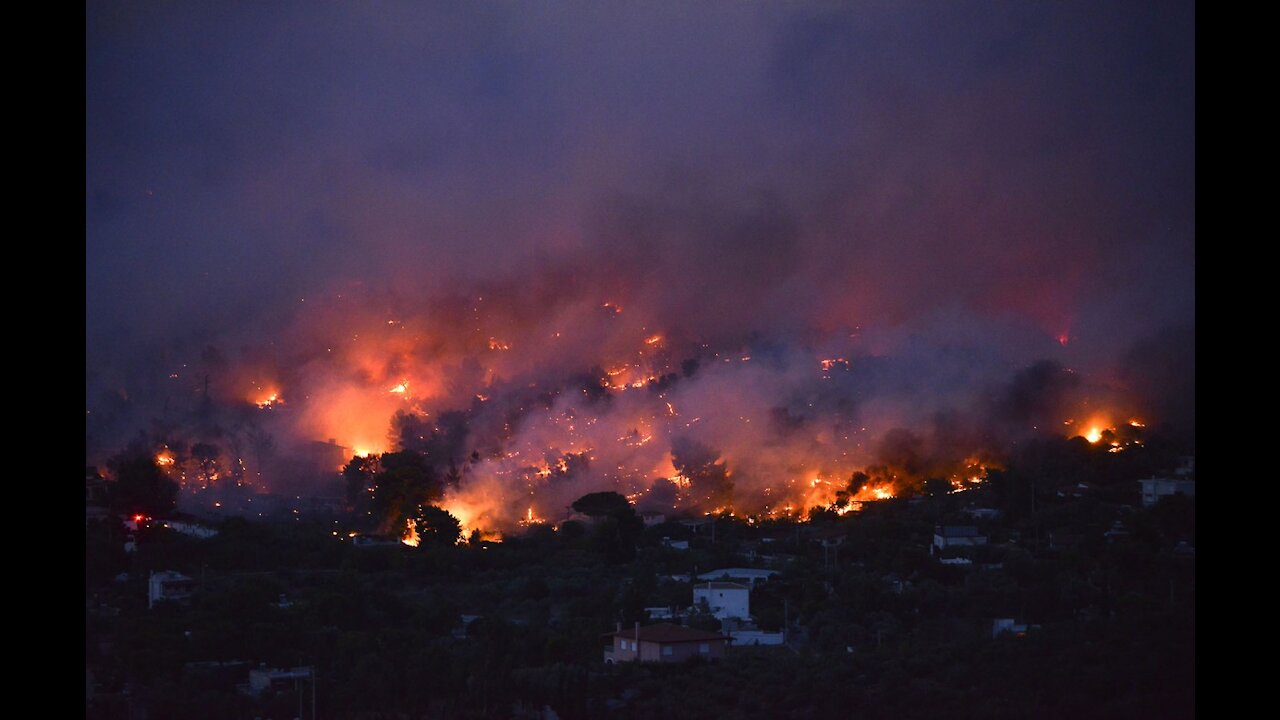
(583, 397)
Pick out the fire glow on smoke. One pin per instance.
(530, 411)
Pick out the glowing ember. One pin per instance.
(653, 340)
(496, 344)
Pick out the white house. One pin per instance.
(945, 536)
(659, 613)
(195, 530)
(168, 585)
(1155, 488)
(726, 599)
(742, 638)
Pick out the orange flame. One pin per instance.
(410, 536)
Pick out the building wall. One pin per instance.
(742, 638)
(681, 651)
(725, 603)
(945, 542)
(1154, 489)
(622, 651)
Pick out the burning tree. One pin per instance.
(709, 483)
(206, 458)
(140, 486)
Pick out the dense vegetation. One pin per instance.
(877, 628)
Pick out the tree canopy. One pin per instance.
(140, 486)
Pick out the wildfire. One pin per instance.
(496, 344)
(469, 518)
(164, 458)
(400, 389)
(1117, 438)
(531, 519)
(653, 340)
(830, 363)
(268, 401)
(410, 536)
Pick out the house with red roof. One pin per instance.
(664, 642)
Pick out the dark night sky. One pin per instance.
(736, 166)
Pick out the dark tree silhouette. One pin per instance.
(601, 504)
(435, 526)
(140, 486)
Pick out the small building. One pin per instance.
(725, 599)
(659, 613)
(195, 530)
(948, 536)
(750, 576)
(1117, 532)
(168, 586)
(743, 638)
(664, 642)
(1155, 488)
(95, 487)
(1000, 626)
(369, 541)
(1186, 466)
(264, 679)
(653, 518)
